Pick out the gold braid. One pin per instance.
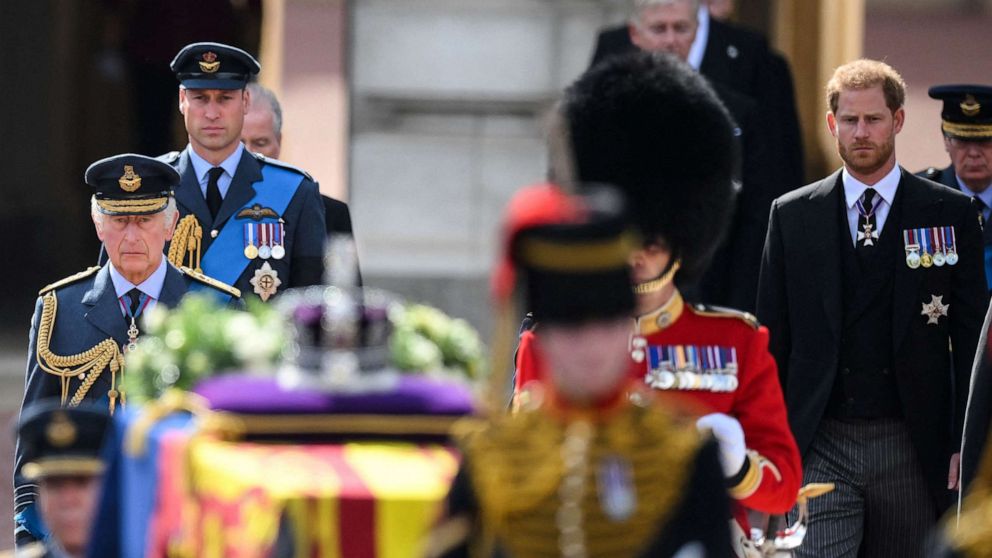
(186, 243)
(92, 362)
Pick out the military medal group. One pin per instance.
(688, 367)
(264, 241)
(930, 246)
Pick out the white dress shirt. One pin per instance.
(854, 189)
(152, 286)
(202, 169)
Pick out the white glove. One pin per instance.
(730, 436)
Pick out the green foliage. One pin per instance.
(201, 338)
(426, 339)
(197, 339)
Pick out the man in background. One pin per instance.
(262, 133)
(966, 126)
(670, 26)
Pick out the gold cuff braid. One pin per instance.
(105, 354)
(754, 476)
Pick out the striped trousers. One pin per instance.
(881, 506)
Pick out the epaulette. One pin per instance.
(283, 164)
(721, 312)
(933, 173)
(70, 279)
(210, 281)
(170, 157)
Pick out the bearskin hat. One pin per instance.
(653, 127)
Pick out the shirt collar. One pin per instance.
(698, 48)
(886, 187)
(985, 196)
(201, 167)
(152, 286)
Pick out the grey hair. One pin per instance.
(639, 5)
(258, 91)
(170, 211)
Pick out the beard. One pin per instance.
(867, 162)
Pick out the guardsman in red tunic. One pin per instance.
(717, 360)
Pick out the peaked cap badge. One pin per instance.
(209, 63)
(970, 106)
(61, 432)
(130, 180)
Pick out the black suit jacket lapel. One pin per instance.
(241, 190)
(824, 252)
(714, 65)
(188, 192)
(918, 210)
(103, 308)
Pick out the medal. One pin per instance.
(938, 254)
(912, 248)
(265, 281)
(251, 251)
(132, 330)
(952, 251)
(935, 309)
(614, 481)
(278, 250)
(264, 250)
(926, 260)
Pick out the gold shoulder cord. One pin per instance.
(92, 362)
(185, 245)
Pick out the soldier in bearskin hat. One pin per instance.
(652, 127)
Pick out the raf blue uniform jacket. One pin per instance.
(88, 312)
(304, 219)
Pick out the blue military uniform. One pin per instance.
(966, 116)
(58, 443)
(80, 327)
(268, 232)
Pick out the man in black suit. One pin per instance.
(868, 276)
(740, 59)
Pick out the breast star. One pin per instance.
(935, 309)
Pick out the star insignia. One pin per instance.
(265, 281)
(935, 309)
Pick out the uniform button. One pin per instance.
(885, 371)
(845, 371)
(850, 401)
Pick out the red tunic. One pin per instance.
(756, 401)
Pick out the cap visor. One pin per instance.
(62, 467)
(214, 83)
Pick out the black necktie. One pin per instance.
(981, 207)
(134, 300)
(867, 224)
(213, 191)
